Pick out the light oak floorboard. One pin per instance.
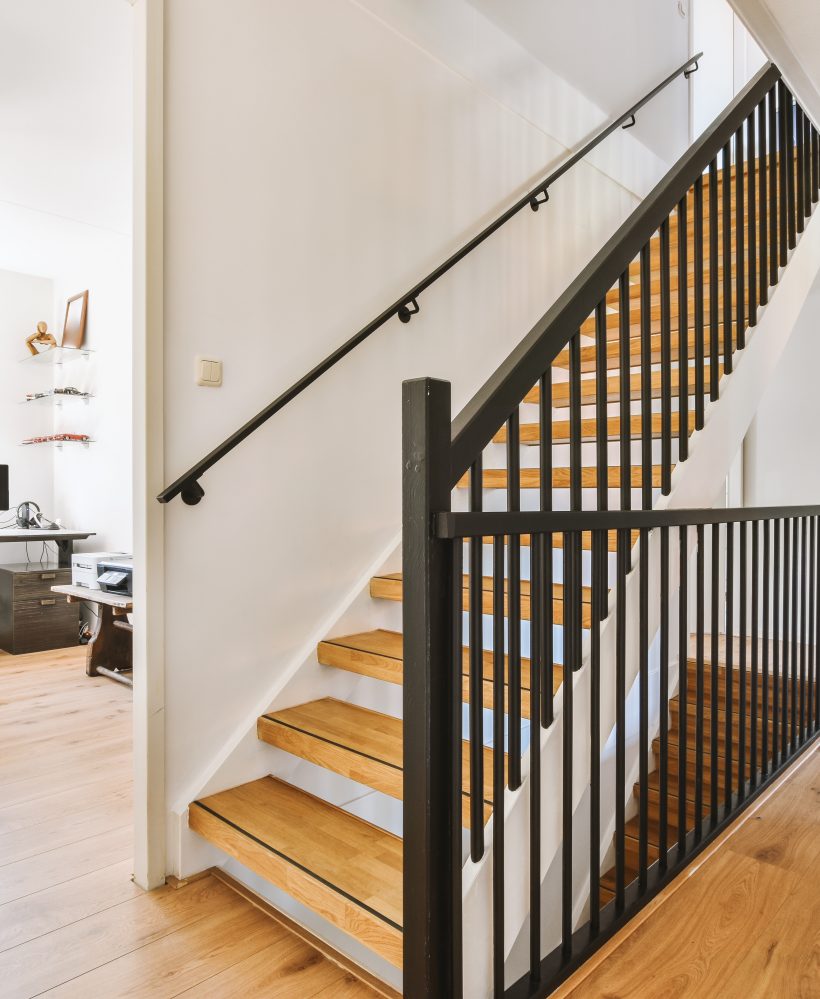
(745, 924)
(72, 922)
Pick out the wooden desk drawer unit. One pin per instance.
(32, 618)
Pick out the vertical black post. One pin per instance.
(431, 690)
(599, 567)
(683, 687)
(740, 236)
(755, 607)
(774, 253)
(801, 165)
(499, 709)
(726, 229)
(713, 673)
(783, 163)
(683, 331)
(700, 627)
(475, 588)
(544, 548)
(776, 646)
(730, 676)
(766, 583)
(794, 629)
(742, 694)
(698, 279)
(666, 366)
(714, 312)
(762, 180)
(752, 231)
(514, 603)
(663, 694)
(791, 207)
(599, 540)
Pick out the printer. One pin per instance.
(116, 575)
(84, 567)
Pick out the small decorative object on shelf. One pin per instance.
(58, 393)
(59, 439)
(41, 340)
(74, 326)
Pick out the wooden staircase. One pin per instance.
(346, 869)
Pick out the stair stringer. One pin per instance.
(695, 483)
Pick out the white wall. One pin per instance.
(780, 450)
(613, 53)
(24, 301)
(731, 59)
(65, 213)
(310, 176)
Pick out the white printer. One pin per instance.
(84, 567)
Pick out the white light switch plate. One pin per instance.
(208, 372)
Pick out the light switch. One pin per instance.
(208, 372)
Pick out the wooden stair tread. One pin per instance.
(561, 390)
(588, 352)
(390, 587)
(530, 433)
(342, 867)
(530, 478)
(379, 654)
(586, 540)
(356, 742)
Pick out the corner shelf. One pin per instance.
(57, 356)
(57, 444)
(57, 399)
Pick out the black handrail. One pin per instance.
(407, 305)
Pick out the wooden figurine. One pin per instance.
(41, 337)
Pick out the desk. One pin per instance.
(109, 651)
(63, 539)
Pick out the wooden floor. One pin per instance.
(72, 923)
(745, 924)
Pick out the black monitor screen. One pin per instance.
(4, 487)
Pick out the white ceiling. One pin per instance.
(66, 108)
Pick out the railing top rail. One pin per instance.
(502, 393)
(406, 306)
(475, 525)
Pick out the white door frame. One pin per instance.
(149, 546)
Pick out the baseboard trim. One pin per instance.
(324, 948)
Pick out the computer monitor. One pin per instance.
(4, 487)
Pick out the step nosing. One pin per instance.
(357, 752)
(302, 867)
(355, 648)
(332, 742)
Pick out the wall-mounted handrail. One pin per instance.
(406, 306)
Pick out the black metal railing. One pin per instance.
(407, 305)
(630, 356)
(736, 681)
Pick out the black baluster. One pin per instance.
(599, 540)
(514, 603)
(812, 626)
(763, 239)
(683, 686)
(623, 542)
(538, 600)
(766, 581)
(601, 442)
(784, 659)
(713, 689)
(783, 207)
(664, 702)
(643, 710)
(545, 549)
(795, 642)
(699, 278)
(740, 236)
(801, 719)
(791, 207)
(728, 339)
(742, 693)
(570, 658)
(752, 230)
(476, 685)
(714, 342)
(699, 684)
(755, 608)
(730, 676)
(801, 174)
(774, 246)
(646, 380)
(625, 391)
(683, 331)
(666, 366)
(815, 160)
(498, 764)
(776, 645)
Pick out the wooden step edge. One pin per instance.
(311, 888)
(530, 433)
(370, 769)
(530, 478)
